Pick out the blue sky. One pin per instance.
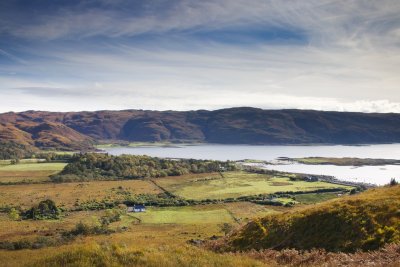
(183, 55)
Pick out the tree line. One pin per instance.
(96, 166)
(15, 152)
(12, 150)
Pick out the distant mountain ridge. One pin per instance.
(76, 130)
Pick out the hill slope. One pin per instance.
(70, 130)
(366, 221)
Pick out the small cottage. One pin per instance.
(311, 179)
(136, 208)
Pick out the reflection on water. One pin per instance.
(365, 174)
(369, 174)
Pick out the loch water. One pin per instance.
(367, 174)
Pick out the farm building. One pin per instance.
(311, 179)
(137, 208)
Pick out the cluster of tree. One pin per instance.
(393, 182)
(15, 152)
(53, 157)
(46, 209)
(100, 226)
(95, 166)
(12, 150)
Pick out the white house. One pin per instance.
(136, 208)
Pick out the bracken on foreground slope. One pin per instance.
(366, 222)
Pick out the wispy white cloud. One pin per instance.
(12, 57)
(349, 23)
(349, 58)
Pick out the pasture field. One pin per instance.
(235, 184)
(315, 197)
(35, 166)
(67, 194)
(236, 212)
(183, 215)
(28, 171)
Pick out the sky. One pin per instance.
(186, 55)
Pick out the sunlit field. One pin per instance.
(235, 184)
(28, 171)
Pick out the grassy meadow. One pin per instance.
(235, 184)
(185, 215)
(233, 213)
(28, 171)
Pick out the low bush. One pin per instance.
(45, 210)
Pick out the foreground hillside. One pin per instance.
(74, 130)
(83, 219)
(366, 221)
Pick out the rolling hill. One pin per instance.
(79, 130)
(366, 221)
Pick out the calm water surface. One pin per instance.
(370, 174)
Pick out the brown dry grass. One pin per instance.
(160, 233)
(388, 256)
(16, 230)
(66, 194)
(245, 211)
(164, 243)
(25, 176)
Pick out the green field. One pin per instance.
(37, 166)
(21, 161)
(235, 184)
(183, 215)
(28, 171)
(285, 200)
(315, 198)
